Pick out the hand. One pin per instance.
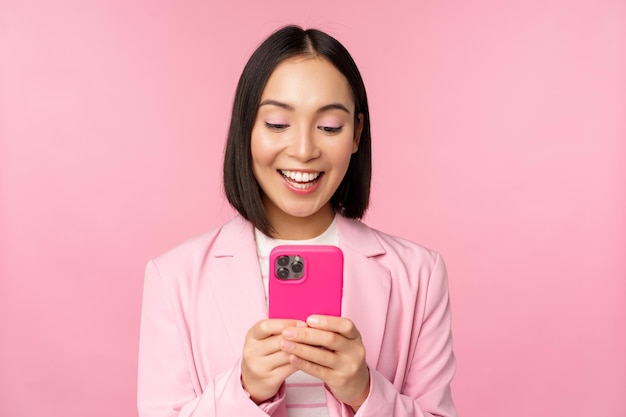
(264, 366)
(331, 349)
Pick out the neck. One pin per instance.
(300, 228)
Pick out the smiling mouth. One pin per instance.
(301, 180)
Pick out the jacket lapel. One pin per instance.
(236, 281)
(367, 284)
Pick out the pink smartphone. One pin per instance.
(305, 280)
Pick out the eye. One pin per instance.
(276, 126)
(329, 129)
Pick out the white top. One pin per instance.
(304, 394)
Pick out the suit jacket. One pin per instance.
(202, 297)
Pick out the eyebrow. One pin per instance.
(332, 106)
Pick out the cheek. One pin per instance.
(343, 151)
(259, 149)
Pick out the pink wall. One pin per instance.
(500, 140)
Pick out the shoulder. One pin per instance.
(198, 250)
(410, 254)
(386, 247)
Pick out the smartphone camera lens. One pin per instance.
(283, 261)
(296, 267)
(282, 273)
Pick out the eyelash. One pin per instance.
(281, 127)
(328, 129)
(276, 126)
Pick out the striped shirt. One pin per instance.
(305, 395)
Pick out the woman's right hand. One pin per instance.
(264, 366)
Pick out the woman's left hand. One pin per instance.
(331, 349)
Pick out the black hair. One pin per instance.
(351, 198)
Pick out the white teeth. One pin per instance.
(301, 177)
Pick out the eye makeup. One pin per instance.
(327, 125)
(329, 129)
(330, 125)
(276, 123)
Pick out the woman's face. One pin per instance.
(302, 140)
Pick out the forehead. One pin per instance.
(308, 81)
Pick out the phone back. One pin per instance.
(305, 280)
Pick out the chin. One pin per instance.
(301, 212)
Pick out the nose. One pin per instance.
(304, 146)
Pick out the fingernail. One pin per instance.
(287, 345)
(313, 320)
(300, 324)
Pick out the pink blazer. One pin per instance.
(202, 297)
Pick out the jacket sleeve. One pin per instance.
(426, 388)
(168, 383)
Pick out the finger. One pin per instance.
(269, 327)
(339, 325)
(311, 368)
(267, 364)
(313, 354)
(315, 337)
(283, 371)
(263, 347)
(275, 361)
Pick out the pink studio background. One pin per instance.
(499, 139)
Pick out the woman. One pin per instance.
(297, 168)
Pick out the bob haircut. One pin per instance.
(351, 198)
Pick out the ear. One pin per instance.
(358, 129)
